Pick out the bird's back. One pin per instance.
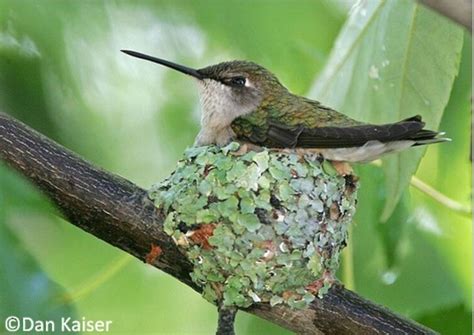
(307, 124)
(288, 114)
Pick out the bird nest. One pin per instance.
(263, 226)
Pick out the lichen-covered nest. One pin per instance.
(259, 227)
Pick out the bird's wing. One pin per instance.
(284, 136)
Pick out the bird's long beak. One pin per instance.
(181, 68)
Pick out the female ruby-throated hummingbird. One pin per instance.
(244, 101)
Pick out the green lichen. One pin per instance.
(260, 227)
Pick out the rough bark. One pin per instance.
(119, 212)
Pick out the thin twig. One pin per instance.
(93, 282)
(440, 197)
(435, 194)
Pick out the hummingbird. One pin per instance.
(244, 101)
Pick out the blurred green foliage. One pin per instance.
(25, 290)
(62, 73)
(383, 75)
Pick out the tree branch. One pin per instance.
(460, 11)
(120, 213)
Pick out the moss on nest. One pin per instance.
(259, 227)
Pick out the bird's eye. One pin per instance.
(237, 81)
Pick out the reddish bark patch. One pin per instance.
(207, 169)
(334, 212)
(315, 286)
(342, 168)
(201, 235)
(287, 295)
(154, 253)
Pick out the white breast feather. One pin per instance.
(220, 106)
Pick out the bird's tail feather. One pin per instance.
(426, 136)
(432, 140)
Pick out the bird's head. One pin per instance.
(228, 89)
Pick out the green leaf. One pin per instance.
(247, 205)
(238, 170)
(222, 237)
(391, 234)
(25, 290)
(417, 281)
(233, 146)
(261, 159)
(275, 300)
(392, 60)
(329, 168)
(249, 179)
(278, 171)
(169, 224)
(249, 221)
(448, 169)
(205, 188)
(228, 207)
(285, 191)
(206, 216)
(453, 320)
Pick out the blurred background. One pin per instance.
(61, 72)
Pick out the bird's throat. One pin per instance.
(220, 107)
